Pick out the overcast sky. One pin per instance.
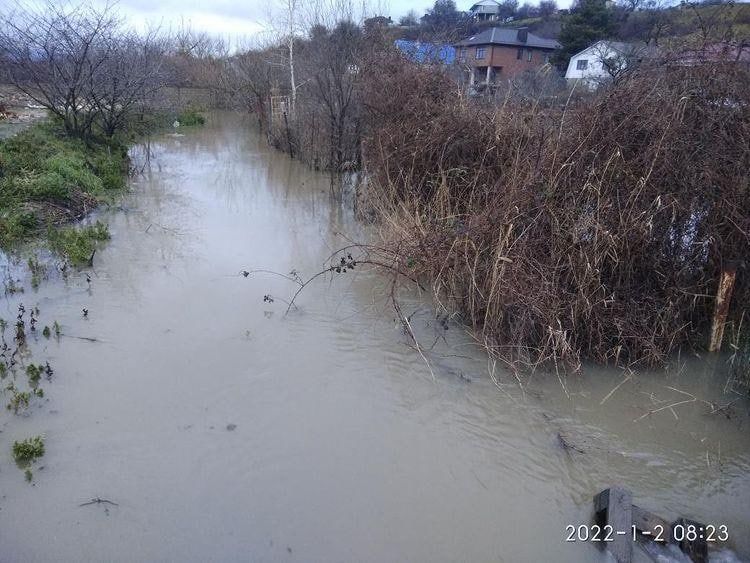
(238, 19)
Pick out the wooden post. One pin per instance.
(614, 506)
(721, 309)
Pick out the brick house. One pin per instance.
(499, 53)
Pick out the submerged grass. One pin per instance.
(28, 450)
(78, 244)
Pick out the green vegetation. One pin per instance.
(78, 245)
(34, 373)
(19, 400)
(28, 450)
(191, 116)
(47, 179)
(37, 270)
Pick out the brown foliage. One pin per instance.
(596, 229)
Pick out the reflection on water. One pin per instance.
(227, 431)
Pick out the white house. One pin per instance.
(602, 61)
(485, 10)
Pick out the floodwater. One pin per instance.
(226, 431)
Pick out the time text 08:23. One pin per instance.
(679, 532)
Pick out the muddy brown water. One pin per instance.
(225, 431)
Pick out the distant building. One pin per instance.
(723, 51)
(499, 53)
(604, 60)
(485, 10)
(426, 52)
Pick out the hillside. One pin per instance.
(679, 23)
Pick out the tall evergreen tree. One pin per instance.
(588, 22)
(444, 16)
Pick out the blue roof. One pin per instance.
(426, 52)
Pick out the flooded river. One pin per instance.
(225, 431)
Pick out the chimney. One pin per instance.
(523, 34)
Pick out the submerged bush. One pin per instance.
(597, 229)
(29, 449)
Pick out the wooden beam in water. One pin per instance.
(614, 506)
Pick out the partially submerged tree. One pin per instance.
(334, 71)
(251, 77)
(130, 78)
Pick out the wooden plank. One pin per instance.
(614, 506)
(697, 549)
(655, 527)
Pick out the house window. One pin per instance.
(519, 55)
(546, 58)
(583, 64)
(529, 53)
(462, 55)
(480, 52)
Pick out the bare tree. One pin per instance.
(291, 14)
(335, 66)
(81, 65)
(251, 77)
(547, 8)
(411, 19)
(130, 77)
(56, 56)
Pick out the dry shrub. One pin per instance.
(597, 229)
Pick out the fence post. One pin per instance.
(721, 309)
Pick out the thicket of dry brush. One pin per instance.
(591, 229)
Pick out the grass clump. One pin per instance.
(78, 245)
(34, 373)
(19, 400)
(191, 117)
(48, 178)
(28, 450)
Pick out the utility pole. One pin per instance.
(291, 7)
